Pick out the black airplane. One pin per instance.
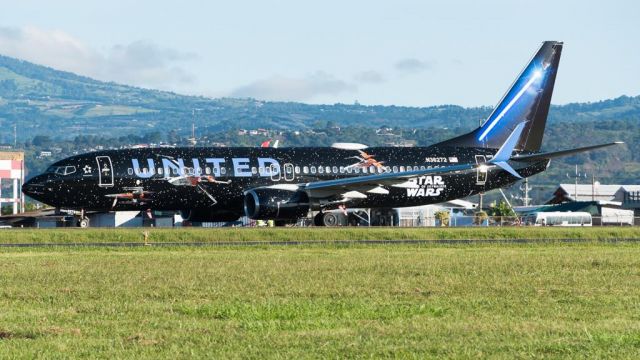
(222, 184)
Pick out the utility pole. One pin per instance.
(576, 177)
(593, 186)
(525, 188)
(15, 136)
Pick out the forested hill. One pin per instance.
(41, 100)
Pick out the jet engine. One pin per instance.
(204, 215)
(276, 204)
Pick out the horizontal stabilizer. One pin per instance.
(504, 153)
(555, 154)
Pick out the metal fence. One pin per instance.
(454, 221)
(462, 221)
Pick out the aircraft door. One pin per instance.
(105, 171)
(481, 171)
(288, 172)
(275, 172)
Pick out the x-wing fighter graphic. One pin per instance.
(134, 195)
(365, 160)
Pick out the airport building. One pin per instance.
(11, 180)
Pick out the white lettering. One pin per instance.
(141, 173)
(169, 164)
(266, 164)
(216, 164)
(241, 167)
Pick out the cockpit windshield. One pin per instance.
(61, 170)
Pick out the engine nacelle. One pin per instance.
(203, 215)
(275, 204)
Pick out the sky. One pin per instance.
(403, 52)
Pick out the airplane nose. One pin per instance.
(33, 188)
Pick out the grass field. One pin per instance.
(74, 235)
(323, 301)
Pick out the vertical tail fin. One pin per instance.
(527, 100)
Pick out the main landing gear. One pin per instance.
(327, 219)
(339, 218)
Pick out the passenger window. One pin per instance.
(349, 170)
(341, 169)
(160, 171)
(401, 168)
(207, 170)
(328, 169)
(372, 169)
(305, 169)
(130, 171)
(297, 169)
(223, 170)
(254, 170)
(313, 169)
(320, 169)
(69, 170)
(395, 169)
(334, 169)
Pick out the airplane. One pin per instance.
(284, 184)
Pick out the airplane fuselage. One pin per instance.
(216, 179)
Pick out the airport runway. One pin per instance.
(259, 243)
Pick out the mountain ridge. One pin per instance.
(42, 100)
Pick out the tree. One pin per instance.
(41, 140)
(443, 217)
(480, 217)
(501, 210)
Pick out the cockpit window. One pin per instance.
(61, 170)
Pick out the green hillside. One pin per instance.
(42, 100)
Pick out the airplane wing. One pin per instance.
(356, 187)
(551, 155)
(382, 179)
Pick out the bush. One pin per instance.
(480, 217)
(443, 217)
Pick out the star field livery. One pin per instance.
(222, 184)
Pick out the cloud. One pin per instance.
(140, 63)
(412, 65)
(143, 62)
(281, 88)
(370, 77)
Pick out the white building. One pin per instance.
(12, 178)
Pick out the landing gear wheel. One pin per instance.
(83, 223)
(330, 219)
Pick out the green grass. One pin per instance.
(71, 235)
(504, 301)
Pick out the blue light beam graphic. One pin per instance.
(536, 75)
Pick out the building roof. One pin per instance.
(586, 192)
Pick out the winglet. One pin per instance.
(504, 153)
